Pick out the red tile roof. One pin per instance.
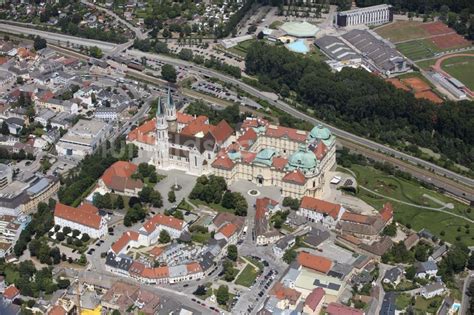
(320, 150)
(160, 219)
(183, 118)
(248, 138)
(248, 157)
(85, 214)
(321, 206)
(136, 268)
(250, 122)
(314, 262)
(356, 218)
(193, 267)
(118, 176)
(222, 131)
(339, 309)
(155, 273)
(223, 162)
(228, 230)
(196, 126)
(57, 310)
(261, 206)
(156, 251)
(11, 292)
(144, 133)
(124, 240)
(279, 162)
(290, 133)
(295, 177)
(314, 298)
(283, 293)
(387, 212)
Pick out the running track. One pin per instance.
(437, 68)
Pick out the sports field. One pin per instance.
(418, 49)
(402, 31)
(461, 68)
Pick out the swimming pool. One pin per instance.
(298, 46)
(456, 307)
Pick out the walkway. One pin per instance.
(441, 209)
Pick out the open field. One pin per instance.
(410, 192)
(402, 30)
(461, 68)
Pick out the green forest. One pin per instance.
(364, 104)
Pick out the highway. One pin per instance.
(432, 173)
(439, 175)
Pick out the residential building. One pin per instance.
(426, 269)
(317, 210)
(10, 293)
(393, 276)
(361, 226)
(264, 232)
(433, 289)
(340, 309)
(283, 244)
(314, 302)
(439, 252)
(123, 295)
(6, 175)
(83, 138)
(85, 218)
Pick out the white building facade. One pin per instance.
(374, 15)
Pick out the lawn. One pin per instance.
(412, 192)
(255, 262)
(425, 306)
(200, 237)
(426, 64)
(247, 276)
(401, 31)
(402, 301)
(242, 47)
(418, 49)
(462, 68)
(276, 24)
(215, 206)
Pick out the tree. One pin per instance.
(228, 200)
(222, 295)
(55, 255)
(95, 52)
(164, 237)
(66, 230)
(185, 54)
(116, 312)
(5, 129)
(200, 290)
(119, 203)
(168, 73)
(410, 272)
(178, 214)
(289, 256)
(241, 205)
(60, 236)
(171, 196)
(39, 43)
(232, 252)
(161, 48)
(63, 283)
(82, 260)
(85, 237)
(75, 233)
(292, 203)
(390, 230)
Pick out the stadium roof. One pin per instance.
(299, 29)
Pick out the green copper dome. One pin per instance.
(302, 159)
(265, 156)
(320, 132)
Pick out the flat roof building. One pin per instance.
(374, 15)
(83, 138)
